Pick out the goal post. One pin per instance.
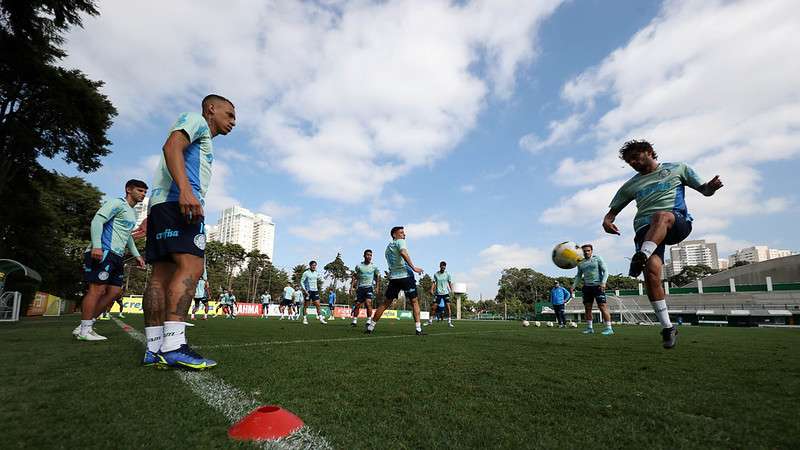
(10, 302)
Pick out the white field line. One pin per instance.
(367, 338)
(235, 404)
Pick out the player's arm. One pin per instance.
(407, 258)
(176, 145)
(354, 279)
(577, 279)
(603, 272)
(101, 217)
(377, 281)
(135, 252)
(618, 203)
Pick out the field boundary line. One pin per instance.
(233, 403)
(367, 338)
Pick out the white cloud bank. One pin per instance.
(345, 97)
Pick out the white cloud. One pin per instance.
(428, 228)
(319, 230)
(560, 132)
(345, 97)
(482, 278)
(218, 197)
(278, 210)
(708, 82)
(507, 170)
(468, 188)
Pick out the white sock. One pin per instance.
(86, 326)
(660, 308)
(608, 324)
(154, 336)
(588, 324)
(94, 320)
(648, 247)
(355, 320)
(419, 326)
(174, 336)
(371, 326)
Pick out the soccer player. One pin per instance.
(265, 299)
(558, 299)
(231, 305)
(201, 296)
(118, 301)
(310, 284)
(331, 304)
(401, 278)
(442, 287)
(222, 303)
(661, 218)
(175, 228)
(298, 304)
(286, 301)
(102, 263)
(366, 280)
(594, 274)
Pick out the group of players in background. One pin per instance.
(176, 239)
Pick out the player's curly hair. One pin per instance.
(634, 146)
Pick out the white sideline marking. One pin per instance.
(369, 338)
(235, 404)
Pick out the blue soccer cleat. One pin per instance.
(588, 331)
(152, 359)
(185, 357)
(608, 332)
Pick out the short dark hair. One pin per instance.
(442, 263)
(213, 98)
(587, 245)
(135, 183)
(311, 262)
(367, 251)
(635, 146)
(395, 230)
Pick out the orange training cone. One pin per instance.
(265, 423)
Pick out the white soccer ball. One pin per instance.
(525, 323)
(573, 325)
(567, 255)
(537, 324)
(550, 324)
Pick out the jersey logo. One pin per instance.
(103, 276)
(200, 241)
(664, 173)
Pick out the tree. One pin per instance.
(256, 263)
(222, 260)
(297, 273)
(741, 263)
(620, 281)
(46, 110)
(691, 273)
(46, 227)
(425, 284)
(526, 285)
(337, 271)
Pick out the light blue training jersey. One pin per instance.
(298, 296)
(309, 280)
(198, 157)
(265, 298)
(288, 291)
(398, 268)
(200, 290)
(111, 228)
(442, 281)
(365, 274)
(593, 272)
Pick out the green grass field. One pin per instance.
(487, 384)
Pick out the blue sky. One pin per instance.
(488, 128)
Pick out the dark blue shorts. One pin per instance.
(109, 270)
(679, 231)
(168, 232)
(407, 285)
(593, 294)
(313, 296)
(364, 293)
(445, 298)
(286, 302)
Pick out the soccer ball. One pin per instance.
(537, 324)
(567, 255)
(573, 325)
(550, 324)
(525, 323)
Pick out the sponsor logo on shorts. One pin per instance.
(167, 234)
(200, 241)
(102, 275)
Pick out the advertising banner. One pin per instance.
(53, 306)
(38, 305)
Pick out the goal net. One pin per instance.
(9, 306)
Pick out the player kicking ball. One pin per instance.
(366, 280)
(661, 218)
(102, 263)
(175, 228)
(310, 284)
(401, 278)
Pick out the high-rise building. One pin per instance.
(723, 264)
(141, 210)
(758, 253)
(691, 253)
(253, 231)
